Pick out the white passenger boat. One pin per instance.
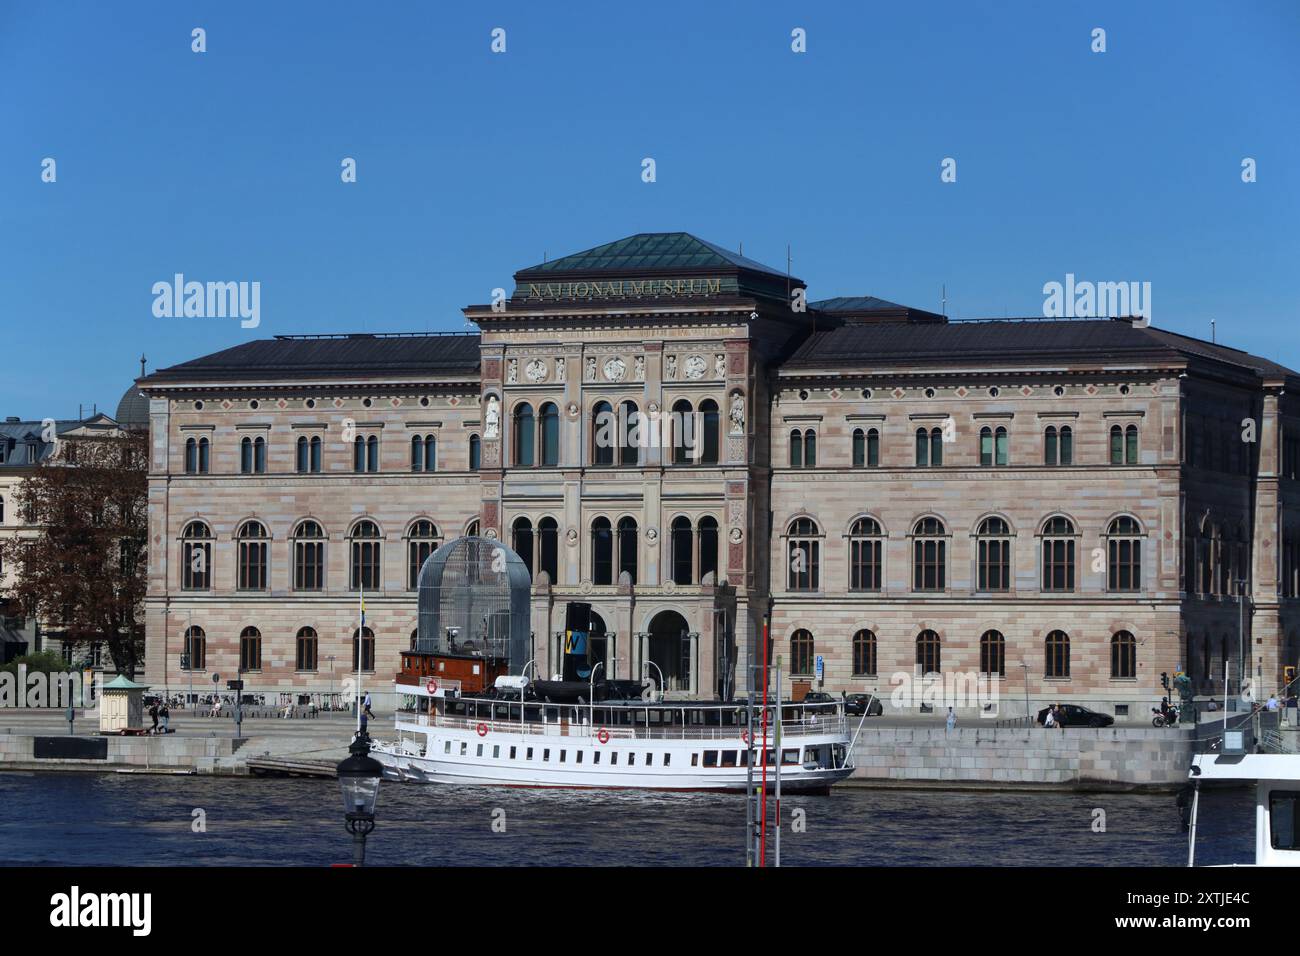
(446, 737)
(1276, 778)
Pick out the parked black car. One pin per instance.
(1076, 716)
(856, 704)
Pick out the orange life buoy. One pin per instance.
(432, 686)
(602, 735)
(482, 730)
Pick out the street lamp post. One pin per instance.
(359, 775)
(1025, 666)
(1241, 638)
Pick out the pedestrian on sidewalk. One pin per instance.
(166, 716)
(366, 706)
(952, 719)
(153, 715)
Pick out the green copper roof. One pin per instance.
(651, 251)
(122, 682)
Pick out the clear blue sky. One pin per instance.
(225, 165)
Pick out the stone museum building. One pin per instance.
(1067, 507)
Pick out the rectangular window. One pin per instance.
(613, 759)
(479, 751)
(530, 754)
(447, 747)
(464, 748)
(1284, 819)
(667, 759)
(710, 758)
(728, 758)
(546, 755)
(563, 754)
(512, 753)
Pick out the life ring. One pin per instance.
(482, 730)
(602, 735)
(744, 735)
(432, 686)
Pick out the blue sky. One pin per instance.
(1124, 165)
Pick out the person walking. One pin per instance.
(153, 715)
(166, 715)
(366, 706)
(1049, 719)
(952, 720)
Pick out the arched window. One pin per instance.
(681, 547)
(602, 552)
(308, 556)
(196, 557)
(365, 453)
(1058, 554)
(548, 547)
(993, 654)
(308, 454)
(604, 434)
(196, 649)
(796, 448)
(929, 447)
(363, 650)
(246, 457)
(521, 539)
(250, 649)
(683, 428)
(1124, 554)
(1123, 445)
(525, 434)
(471, 529)
(864, 653)
(550, 434)
(627, 547)
(475, 453)
(421, 541)
(191, 456)
(1123, 656)
(866, 448)
(709, 440)
(803, 555)
(307, 646)
(205, 448)
(993, 446)
(1057, 653)
(1058, 445)
(866, 550)
(928, 652)
(364, 555)
(424, 453)
(993, 555)
(810, 449)
(252, 556)
(708, 543)
(802, 653)
(929, 555)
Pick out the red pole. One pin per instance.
(762, 829)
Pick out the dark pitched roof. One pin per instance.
(650, 251)
(1016, 342)
(857, 303)
(290, 356)
(14, 435)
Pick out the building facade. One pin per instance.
(674, 434)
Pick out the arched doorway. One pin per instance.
(668, 646)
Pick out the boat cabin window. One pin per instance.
(578, 759)
(512, 753)
(667, 759)
(479, 752)
(464, 748)
(496, 752)
(728, 758)
(546, 755)
(563, 754)
(613, 758)
(447, 747)
(695, 760)
(1284, 819)
(595, 758)
(530, 754)
(790, 757)
(710, 758)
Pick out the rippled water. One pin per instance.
(94, 819)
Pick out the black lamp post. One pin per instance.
(359, 776)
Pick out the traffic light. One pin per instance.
(1164, 680)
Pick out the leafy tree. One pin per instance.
(84, 571)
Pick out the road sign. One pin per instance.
(234, 685)
(821, 668)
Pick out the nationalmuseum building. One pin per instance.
(1071, 507)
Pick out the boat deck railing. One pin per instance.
(820, 726)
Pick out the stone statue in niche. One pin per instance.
(512, 371)
(719, 366)
(638, 368)
(559, 370)
(591, 368)
(695, 367)
(492, 419)
(737, 414)
(670, 367)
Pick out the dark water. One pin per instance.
(94, 819)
